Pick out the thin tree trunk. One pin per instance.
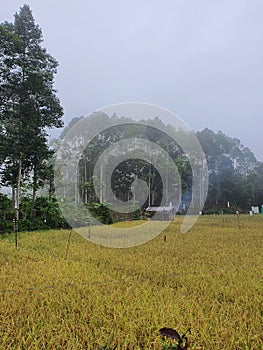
(34, 192)
(13, 196)
(18, 190)
(51, 188)
(17, 200)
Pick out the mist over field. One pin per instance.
(131, 175)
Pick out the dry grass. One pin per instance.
(209, 280)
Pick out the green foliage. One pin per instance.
(44, 215)
(235, 176)
(101, 212)
(28, 101)
(233, 172)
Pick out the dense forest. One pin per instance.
(29, 107)
(234, 173)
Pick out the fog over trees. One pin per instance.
(29, 106)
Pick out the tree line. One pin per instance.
(234, 174)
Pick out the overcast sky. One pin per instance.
(201, 59)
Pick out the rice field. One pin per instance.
(208, 280)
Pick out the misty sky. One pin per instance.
(203, 60)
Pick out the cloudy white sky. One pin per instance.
(201, 59)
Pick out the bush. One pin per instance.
(46, 215)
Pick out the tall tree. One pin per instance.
(28, 101)
(232, 169)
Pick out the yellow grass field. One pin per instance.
(209, 280)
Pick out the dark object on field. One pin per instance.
(165, 238)
(170, 333)
(182, 341)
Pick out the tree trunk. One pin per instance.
(51, 188)
(18, 190)
(17, 200)
(13, 196)
(34, 191)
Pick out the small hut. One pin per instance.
(165, 213)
